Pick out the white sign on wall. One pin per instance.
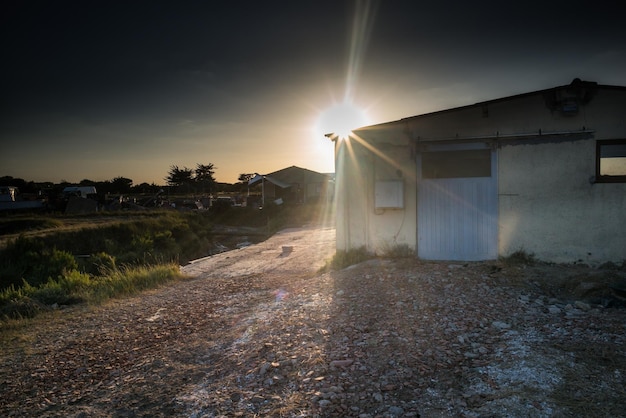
(389, 194)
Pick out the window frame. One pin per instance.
(478, 164)
(607, 178)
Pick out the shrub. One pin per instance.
(97, 263)
(343, 259)
(142, 243)
(10, 295)
(33, 261)
(27, 301)
(129, 280)
(398, 251)
(19, 224)
(49, 293)
(519, 257)
(54, 264)
(70, 288)
(117, 258)
(21, 308)
(75, 283)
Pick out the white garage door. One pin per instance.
(457, 204)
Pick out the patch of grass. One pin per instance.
(32, 261)
(130, 280)
(19, 224)
(398, 251)
(519, 257)
(97, 264)
(170, 237)
(27, 301)
(114, 254)
(57, 292)
(343, 259)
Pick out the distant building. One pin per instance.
(294, 185)
(543, 172)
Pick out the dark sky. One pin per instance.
(101, 89)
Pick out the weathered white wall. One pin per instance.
(359, 223)
(392, 228)
(548, 202)
(351, 195)
(549, 207)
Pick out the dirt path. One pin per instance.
(135, 356)
(258, 333)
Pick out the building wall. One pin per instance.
(351, 195)
(307, 186)
(549, 205)
(394, 227)
(359, 222)
(548, 202)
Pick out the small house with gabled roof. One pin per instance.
(295, 185)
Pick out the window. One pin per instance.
(611, 161)
(456, 164)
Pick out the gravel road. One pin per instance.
(259, 332)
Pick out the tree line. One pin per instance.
(198, 180)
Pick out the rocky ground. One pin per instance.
(259, 332)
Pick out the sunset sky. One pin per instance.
(103, 89)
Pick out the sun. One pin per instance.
(341, 119)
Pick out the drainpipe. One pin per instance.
(341, 175)
(263, 191)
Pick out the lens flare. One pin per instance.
(341, 119)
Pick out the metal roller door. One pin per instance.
(457, 204)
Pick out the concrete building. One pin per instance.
(295, 185)
(542, 172)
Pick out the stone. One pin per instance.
(264, 368)
(341, 363)
(582, 305)
(324, 403)
(500, 325)
(554, 309)
(395, 411)
(585, 288)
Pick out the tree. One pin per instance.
(146, 188)
(204, 176)
(121, 185)
(179, 176)
(245, 177)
